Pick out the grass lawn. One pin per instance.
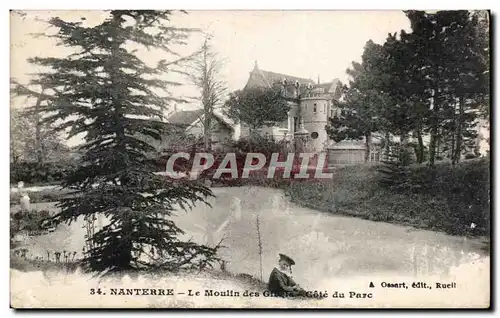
(447, 199)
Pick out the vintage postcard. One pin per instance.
(250, 159)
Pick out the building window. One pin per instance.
(314, 108)
(331, 112)
(314, 135)
(374, 156)
(295, 124)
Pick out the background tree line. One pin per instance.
(433, 81)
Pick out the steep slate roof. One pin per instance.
(186, 117)
(273, 77)
(262, 78)
(327, 86)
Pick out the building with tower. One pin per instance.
(311, 108)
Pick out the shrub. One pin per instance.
(258, 144)
(36, 173)
(50, 195)
(32, 221)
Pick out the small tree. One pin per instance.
(259, 244)
(257, 107)
(204, 73)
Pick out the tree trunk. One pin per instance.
(124, 253)
(38, 130)
(404, 151)
(207, 133)
(452, 155)
(439, 143)
(434, 131)
(420, 148)
(458, 142)
(14, 155)
(368, 143)
(432, 146)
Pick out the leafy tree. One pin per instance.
(437, 80)
(257, 107)
(32, 141)
(451, 52)
(105, 92)
(362, 100)
(468, 64)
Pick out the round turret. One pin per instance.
(314, 110)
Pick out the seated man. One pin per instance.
(281, 282)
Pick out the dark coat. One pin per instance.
(279, 283)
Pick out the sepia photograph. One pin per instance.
(250, 159)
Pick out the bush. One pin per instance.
(258, 144)
(36, 173)
(50, 195)
(32, 221)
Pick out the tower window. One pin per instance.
(314, 108)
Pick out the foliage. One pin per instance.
(257, 144)
(432, 81)
(445, 198)
(49, 195)
(362, 100)
(456, 73)
(36, 173)
(394, 170)
(30, 221)
(105, 92)
(257, 107)
(23, 142)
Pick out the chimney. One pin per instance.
(318, 79)
(255, 67)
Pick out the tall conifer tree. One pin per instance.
(105, 92)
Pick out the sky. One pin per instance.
(310, 44)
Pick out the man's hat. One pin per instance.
(287, 259)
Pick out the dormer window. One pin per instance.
(297, 84)
(309, 86)
(285, 81)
